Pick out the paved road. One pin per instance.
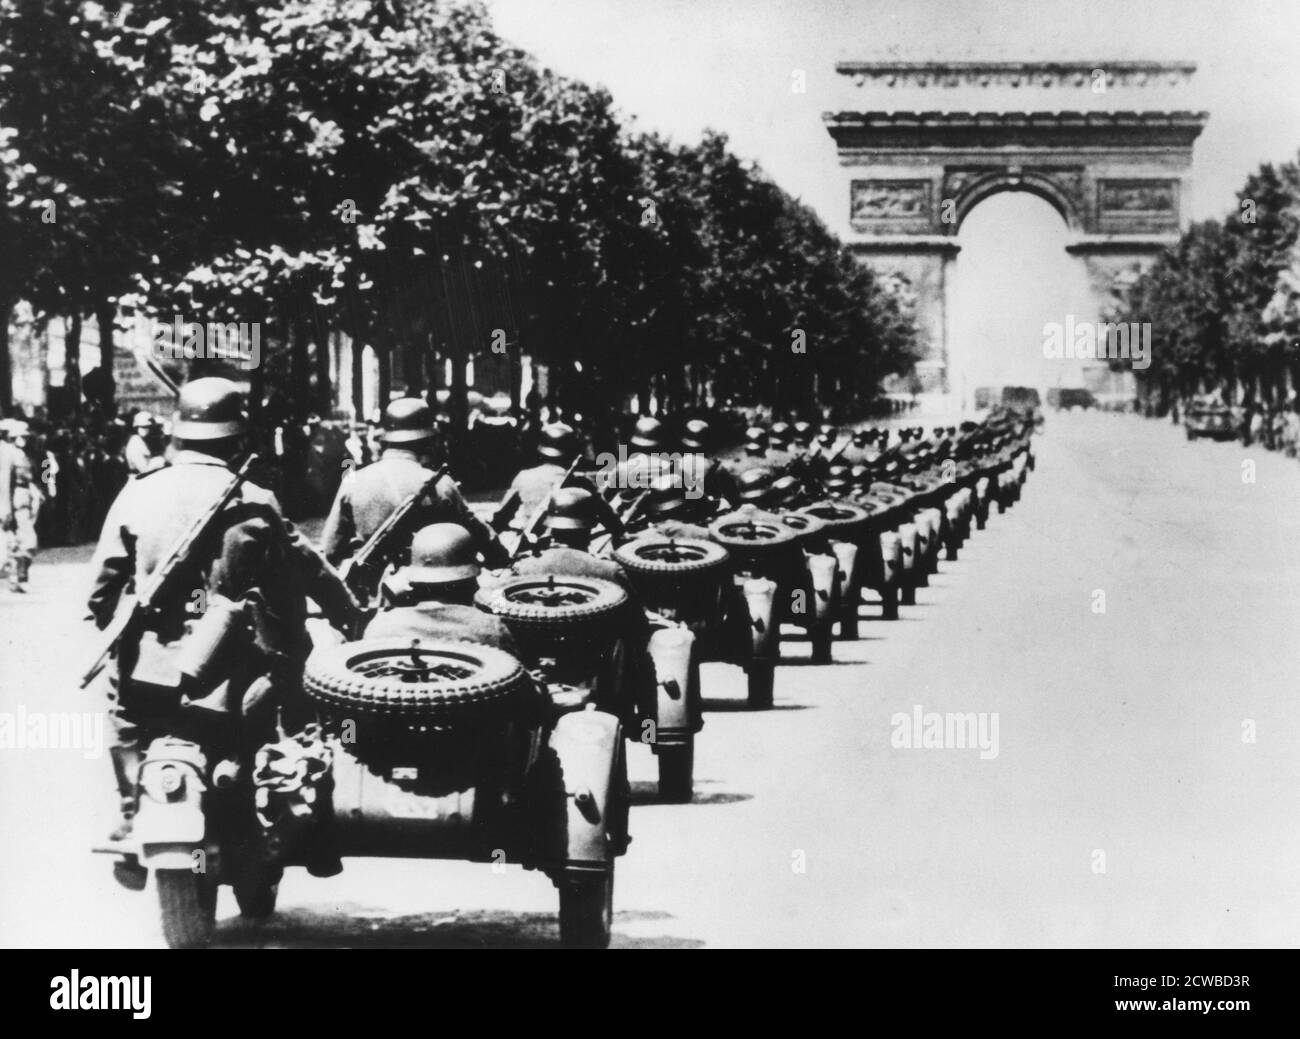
(1123, 808)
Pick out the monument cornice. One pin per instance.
(1079, 75)
(939, 129)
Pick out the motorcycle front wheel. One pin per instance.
(188, 903)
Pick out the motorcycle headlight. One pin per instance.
(170, 779)
(165, 783)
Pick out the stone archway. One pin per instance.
(1118, 178)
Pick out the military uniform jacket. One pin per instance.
(441, 621)
(368, 496)
(715, 479)
(530, 489)
(571, 562)
(258, 553)
(16, 491)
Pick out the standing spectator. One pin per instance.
(20, 501)
(143, 451)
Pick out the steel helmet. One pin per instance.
(558, 442)
(754, 484)
(695, 435)
(838, 479)
(571, 508)
(407, 420)
(783, 492)
(649, 434)
(442, 553)
(210, 408)
(666, 497)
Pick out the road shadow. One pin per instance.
(809, 662)
(645, 793)
(723, 706)
(352, 926)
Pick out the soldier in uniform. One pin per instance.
(572, 516)
(779, 454)
(672, 513)
(859, 450)
(20, 502)
(369, 495)
(433, 597)
(650, 445)
(530, 488)
(753, 457)
(260, 561)
(699, 470)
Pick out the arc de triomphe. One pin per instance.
(1118, 175)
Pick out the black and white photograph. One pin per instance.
(610, 474)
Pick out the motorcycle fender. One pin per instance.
(891, 557)
(908, 536)
(671, 649)
(846, 558)
(587, 744)
(934, 525)
(760, 600)
(169, 833)
(821, 569)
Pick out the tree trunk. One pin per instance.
(413, 364)
(256, 390)
(6, 369)
(106, 318)
(299, 362)
(384, 355)
(72, 363)
(357, 355)
(324, 386)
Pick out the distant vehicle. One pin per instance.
(1209, 419)
(1024, 399)
(1074, 398)
(1021, 397)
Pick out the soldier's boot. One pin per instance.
(126, 770)
(24, 566)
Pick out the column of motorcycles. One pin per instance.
(438, 748)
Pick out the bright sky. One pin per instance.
(680, 66)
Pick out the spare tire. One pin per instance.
(747, 535)
(554, 604)
(435, 683)
(803, 525)
(671, 557)
(837, 515)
